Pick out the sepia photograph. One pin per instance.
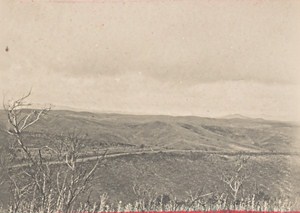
(149, 106)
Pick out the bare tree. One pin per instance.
(145, 195)
(196, 197)
(47, 183)
(20, 117)
(235, 178)
(78, 178)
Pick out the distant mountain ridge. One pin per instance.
(235, 116)
(239, 116)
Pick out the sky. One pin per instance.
(177, 57)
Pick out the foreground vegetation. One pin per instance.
(161, 203)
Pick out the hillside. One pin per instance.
(175, 173)
(110, 130)
(178, 174)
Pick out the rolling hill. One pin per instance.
(175, 173)
(186, 132)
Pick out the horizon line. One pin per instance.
(224, 116)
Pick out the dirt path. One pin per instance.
(175, 151)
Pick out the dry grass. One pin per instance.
(249, 204)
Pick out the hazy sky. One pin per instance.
(180, 57)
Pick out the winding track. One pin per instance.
(175, 151)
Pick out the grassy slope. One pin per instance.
(173, 173)
(177, 174)
(170, 132)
